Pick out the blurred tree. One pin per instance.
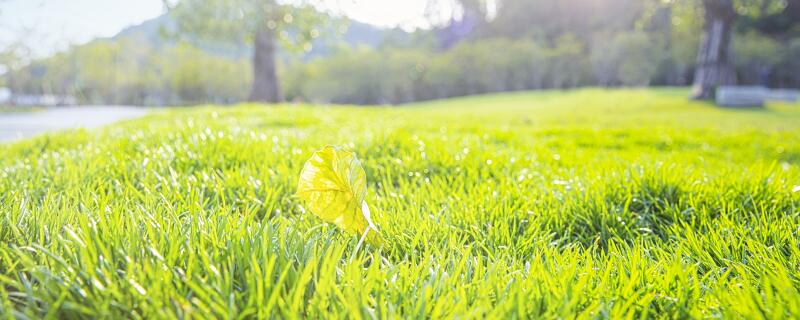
(262, 22)
(639, 58)
(788, 73)
(568, 61)
(198, 77)
(685, 33)
(755, 55)
(550, 19)
(12, 57)
(129, 72)
(472, 19)
(715, 59)
(779, 19)
(521, 45)
(605, 59)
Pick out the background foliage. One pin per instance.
(524, 45)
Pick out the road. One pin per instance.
(15, 126)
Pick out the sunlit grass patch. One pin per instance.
(589, 203)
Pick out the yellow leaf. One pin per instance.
(333, 185)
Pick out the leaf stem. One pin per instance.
(360, 242)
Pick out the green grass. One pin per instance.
(17, 109)
(584, 204)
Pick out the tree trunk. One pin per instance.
(715, 56)
(265, 77)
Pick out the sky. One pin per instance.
(51, 25)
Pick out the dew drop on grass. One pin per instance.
(155, 253)
(137, 286)
(97, 284)
(213, 269)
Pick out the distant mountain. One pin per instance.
(156, 34)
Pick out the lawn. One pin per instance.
(17, 109)
(587, 204)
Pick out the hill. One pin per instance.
(158, 33)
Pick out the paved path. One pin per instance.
(22, 125)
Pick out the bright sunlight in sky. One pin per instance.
(50, 25)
